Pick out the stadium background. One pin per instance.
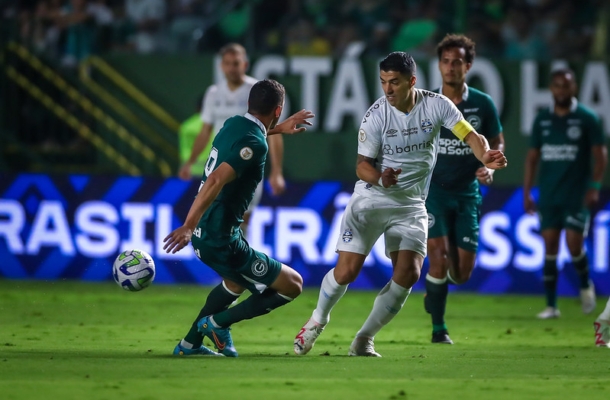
(89, 116)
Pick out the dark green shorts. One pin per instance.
(238, 262)
(455, 215)
(564, 217)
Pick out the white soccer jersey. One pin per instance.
(407, 141)
(220, 103)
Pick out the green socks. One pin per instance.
(219, 299)
(581, 264)
(436, 301)
(254, 306)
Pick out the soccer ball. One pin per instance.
(133, 270)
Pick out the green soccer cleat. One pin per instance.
(220, 336)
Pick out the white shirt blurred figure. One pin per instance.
(397, 147)
(223, 100)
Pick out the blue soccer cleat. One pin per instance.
(220, 336)
(201, 351)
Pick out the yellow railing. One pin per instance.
(153, 109)
(91, 109)
(82, 129)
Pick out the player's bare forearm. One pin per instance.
(365, 170)
(200, 142)
(531, 165)
(276, 153)
(497, 143)
(478, 144)
(600, 161)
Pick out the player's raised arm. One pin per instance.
(291, 124)
(181, 236)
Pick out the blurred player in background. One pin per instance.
(188, 132)
(454, 198)
(224, 100)
(234, 169)
(564, 140)
(602, 328)
(396, 153)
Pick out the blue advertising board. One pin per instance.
(73, 227)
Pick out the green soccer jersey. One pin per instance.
(242, 144)
(565, 153)
(456, 164)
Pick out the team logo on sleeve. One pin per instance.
(474, 120)
(259, 267)
(574, 132)
(361, 136)
(347, 236)
(246, 153)
(426, 125)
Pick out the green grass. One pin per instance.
(68, 340)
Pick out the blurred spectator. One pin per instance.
(515, 29)
(520, 38)
(186, 24)
(348, 41)
(147, 17)
(303, 40)
(79, 26)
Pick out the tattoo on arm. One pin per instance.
(361, 158)
(497, 143)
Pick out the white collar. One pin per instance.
(257, 122)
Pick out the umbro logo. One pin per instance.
(391, 133)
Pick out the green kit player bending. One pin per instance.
(233, 170)
(454, 199)
(565, 139)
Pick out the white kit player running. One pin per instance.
(397, 146)
(225, 100)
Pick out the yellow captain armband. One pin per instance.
(461, 129)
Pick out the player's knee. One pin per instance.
(345, 276)
(295, 285)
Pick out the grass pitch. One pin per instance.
(69, 340)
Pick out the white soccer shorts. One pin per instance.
(365, 219)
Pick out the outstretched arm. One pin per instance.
(290, 125)
(600, 160)
(276, 155)
(531, 165)
(200, 142)
(485, 175)
(181, 236)
(493, 159)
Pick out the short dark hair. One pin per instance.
(563, 71)
(233, 48)
(460, 41)
(264, 96)
(399, 61)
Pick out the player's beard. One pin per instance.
(563, 102)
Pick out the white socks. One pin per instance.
(605, 315)
(387, 304)
(330, 293)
